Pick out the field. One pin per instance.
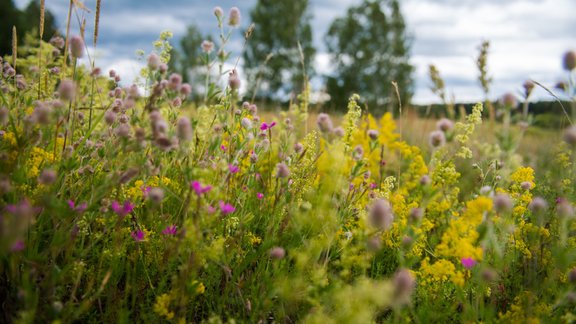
(132, 204)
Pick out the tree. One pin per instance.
(279, 27)
(26, 21)
(370, 49)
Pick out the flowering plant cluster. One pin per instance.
(130, 203)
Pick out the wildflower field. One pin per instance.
(131, 204)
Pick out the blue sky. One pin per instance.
(528, 37)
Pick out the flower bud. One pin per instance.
(234, 17)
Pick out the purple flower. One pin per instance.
(122, 210)
(145, 190)
(468, 263)
(199, 189)
(80, 208)
(233, 168)
(138, 235)
(170, 230)
(260, 195)
(226, 208)
(266, 126)
(17, 246)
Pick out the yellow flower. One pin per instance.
(162, 306)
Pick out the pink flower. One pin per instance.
(17, 246)
(80, 208)
(210, 209)
(199, 189)
(260, 195)
(233, 168)
(138, 235)
(266, 126)
(170, 230)
(468, 263)
(223, 148)
(226, 208)
(122, 210)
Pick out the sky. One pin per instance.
(528, 37)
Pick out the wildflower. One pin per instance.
(416, 214)
(528, 87)
(80, 208)
(122, 210)
(47, 177)
(324, 123)
(110, 117)
(468, 263)
(175, 81)
(57, 41)
(404, 285)
(538, 205)
(526, 185)
(564, 208)
(207, 46)
(156, 195)
(437, 138)
(186, 89)
(226, 208)
(233, 80)
(381, 215)
(199, 189)
(233, 168)
(277, 253)
(509, 100)
(246, 123)
(266, 126)
(282, 170)
(184, 129)
(339, 131)
(374, 243)
(67, 90)
(569, 61)
(210, 209)
(234, 17)
(76, 46)
(502, 203)
(123, 131)
(154, 61)
(358, 153)
(570, 135)
(373, 134)
(218, 12)
(170, 230)
(17, 246)
(298, 148)
(138, 235)
(444, 125)
(260, 195)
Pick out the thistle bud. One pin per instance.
(437, 138)
(444, 125)
(569, 61)
(373, 134)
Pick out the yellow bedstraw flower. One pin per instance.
(439, 273)
(460, 239)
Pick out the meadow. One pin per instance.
(132, 204)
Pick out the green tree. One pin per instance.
(279, 27)
(26, 21)
(370, 49)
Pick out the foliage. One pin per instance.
(370, 49)
(160, 210)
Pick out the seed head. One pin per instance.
(381, 215)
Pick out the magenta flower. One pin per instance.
(138, 235)
(80, 208)
(260, 195)
(17, 246)
(170, 230)
(468, 263)
(223, 148)
(122, 210)
(145, 190)
(226, 208)
(199, 189)
(210, 209)
(266, 126)
(233, 168)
